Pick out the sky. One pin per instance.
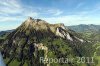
(69, 12)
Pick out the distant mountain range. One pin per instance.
(85, 28)
(7, 31)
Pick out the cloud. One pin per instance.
(55, 12)
(13, 11)
(73, 20)
(8, 28)
(17, 11)
(10, 10)
(8, 19)
(9, 7)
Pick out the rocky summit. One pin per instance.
(36, 38)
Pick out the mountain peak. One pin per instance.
(41, 25)
(30, 18)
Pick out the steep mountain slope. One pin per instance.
(36, 38)
(91, 33)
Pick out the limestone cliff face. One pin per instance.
(39, 47)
